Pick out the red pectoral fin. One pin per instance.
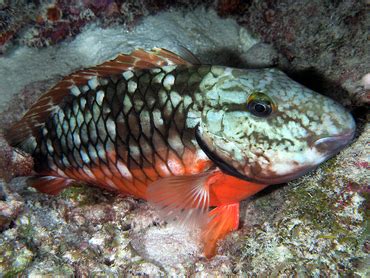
(224, 219)
(181, 198)
(49, 184)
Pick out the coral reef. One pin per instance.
(320, 39)
(42, 23)
(317, 225)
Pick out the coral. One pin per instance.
(11, 21)
(43, 23)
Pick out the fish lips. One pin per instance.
(331, 145)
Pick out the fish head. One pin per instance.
(262, 126)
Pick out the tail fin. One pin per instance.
(49, 184)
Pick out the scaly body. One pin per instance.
(185, 136)
(126, 131)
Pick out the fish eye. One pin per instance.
(260, 105)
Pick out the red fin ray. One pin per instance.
(49, 184)
(181, 198)
(224, 219)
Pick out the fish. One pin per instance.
(192, 139)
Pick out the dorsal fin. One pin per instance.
(36, 116)
(187, 55)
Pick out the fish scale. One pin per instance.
(99, 121)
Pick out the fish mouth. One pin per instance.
(327, 146)
(331, 145)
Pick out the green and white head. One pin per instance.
(262, 126)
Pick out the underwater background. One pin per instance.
(317, 225)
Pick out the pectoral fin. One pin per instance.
(182, 198)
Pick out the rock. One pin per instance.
(168, 246)
(13, 162)
(15, 257)
(261, 55)
(10, 205)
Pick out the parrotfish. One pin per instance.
(192, 139)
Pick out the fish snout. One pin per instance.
(330, 145)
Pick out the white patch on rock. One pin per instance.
(168, 246)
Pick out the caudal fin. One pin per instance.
(224, 219)
(49, 184)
